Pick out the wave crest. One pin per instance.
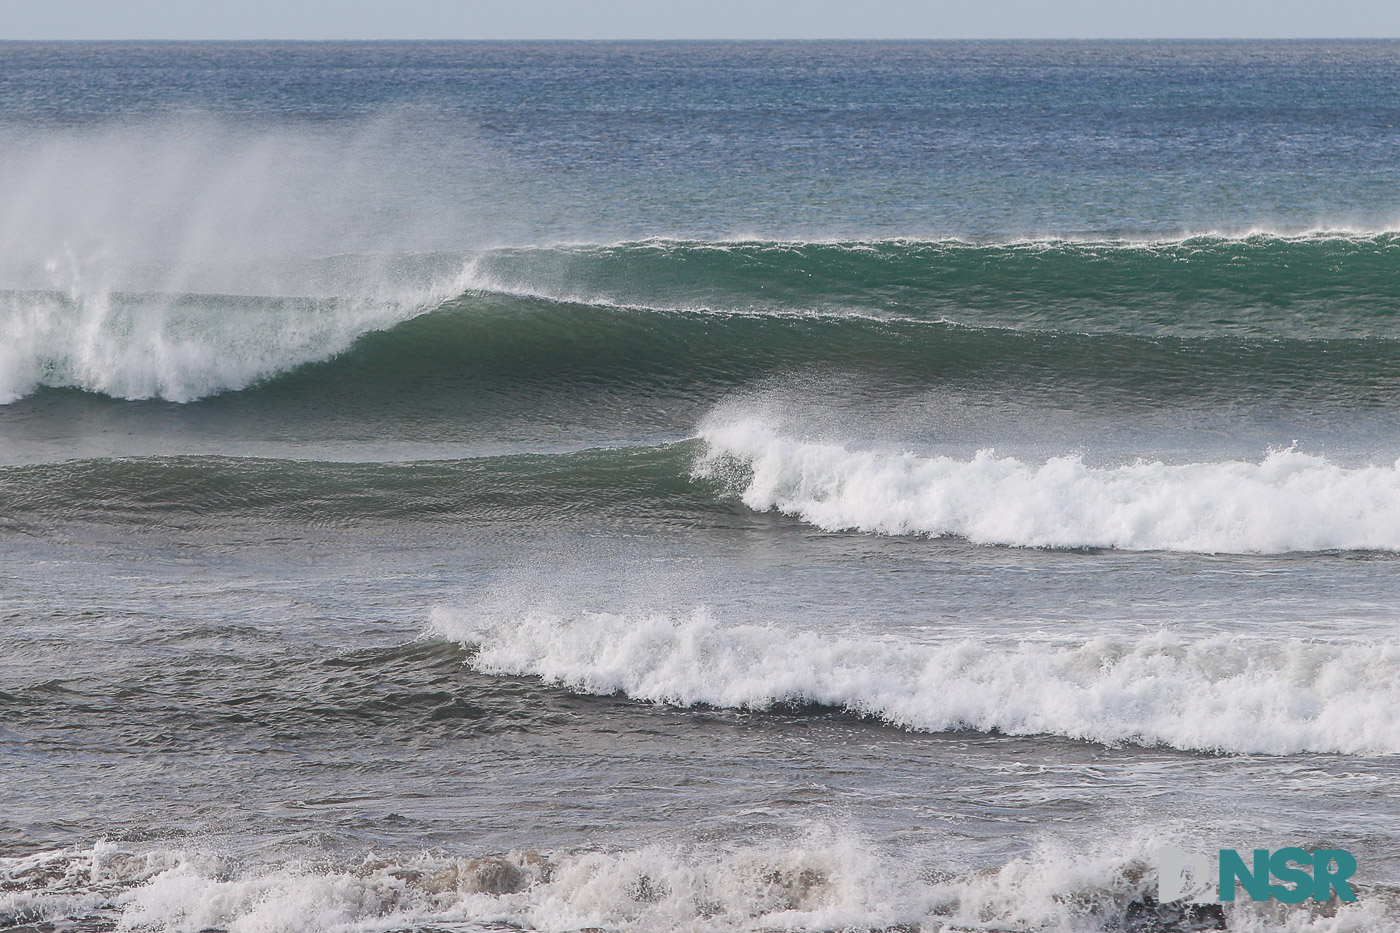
(1289, 501)
(1221, 693)
(836, 302)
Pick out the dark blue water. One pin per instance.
(892, 139)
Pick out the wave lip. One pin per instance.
(1221, 693)
(1335, 283)
(1290, 501)
(185, 347)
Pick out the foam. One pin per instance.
(825, 881)
(184, 347)
(1288, 501)
(1225, 692)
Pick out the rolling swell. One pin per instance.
(640, 484)
(1258, 284)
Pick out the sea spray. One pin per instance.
(185, 347)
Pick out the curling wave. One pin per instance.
(182, 347)
(1250, 316)
(1221, 693)
(1289, 501)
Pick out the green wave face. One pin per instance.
(700, 313)
(584, 346)
(1260, 285)
(525, 349)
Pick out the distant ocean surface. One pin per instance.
(694, 487)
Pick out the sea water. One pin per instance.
(694, 487)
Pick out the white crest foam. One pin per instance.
(827, 881)
(182, 348)
(1288, 501)
(1224, 692)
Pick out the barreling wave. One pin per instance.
(494, 346)
(1220, 693)
(825, 881)
(490, 344)
(1289, 501)
(1258, 311)
(182, 347)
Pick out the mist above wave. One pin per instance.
(123, 239)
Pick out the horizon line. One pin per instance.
(694, 40)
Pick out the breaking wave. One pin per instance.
(1219, 693)
(1254, 313)
(825, 882)
(1289, 501)
(181, 347)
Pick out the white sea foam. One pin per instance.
(181, 348)
(1225, 692)
(827, 881)
(1288, 501)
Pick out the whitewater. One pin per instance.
(1222, 693)
(1288, 501)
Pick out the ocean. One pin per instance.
(706, 487)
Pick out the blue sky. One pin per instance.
(659, 19)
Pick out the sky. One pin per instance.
(708, 19)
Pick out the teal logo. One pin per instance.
(1290, 875)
